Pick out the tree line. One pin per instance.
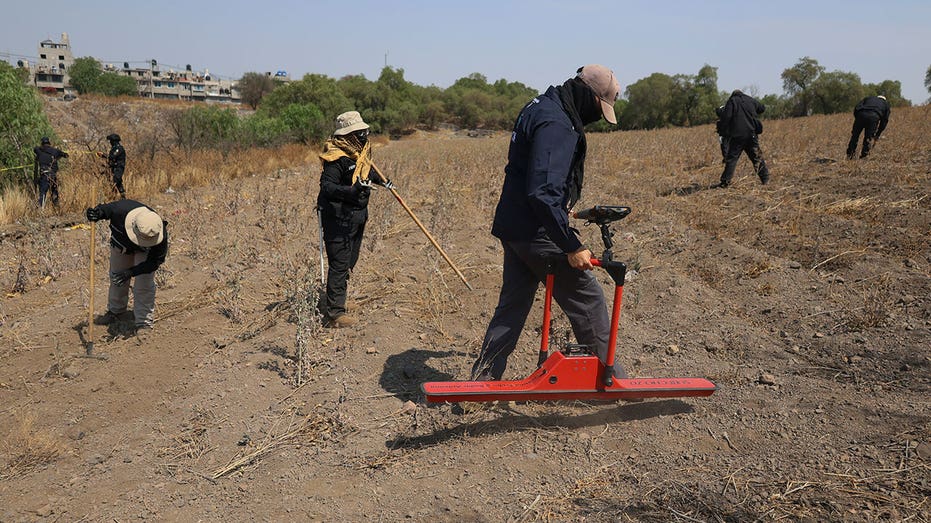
(394, 105)
(303, 110)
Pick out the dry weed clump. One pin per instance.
(188, 446)
(291, 428)
(229, 300)
(876, 304)
(28, 448)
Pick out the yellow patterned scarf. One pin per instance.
(341, 146)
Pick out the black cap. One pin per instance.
(45, 140)
(113, 137)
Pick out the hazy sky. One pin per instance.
(538, 42)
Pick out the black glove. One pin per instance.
(120, 278)
(93, 214)
(387, 184)
(362, 188)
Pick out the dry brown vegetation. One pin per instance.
(808, 301)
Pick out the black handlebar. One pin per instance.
(603, 214)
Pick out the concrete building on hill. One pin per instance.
(50, 72)
(153, 82)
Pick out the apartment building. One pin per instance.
(153, 82)
(50, 72)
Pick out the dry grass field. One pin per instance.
(808, 301)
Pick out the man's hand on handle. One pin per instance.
(581, 259)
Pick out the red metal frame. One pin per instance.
(571, 376)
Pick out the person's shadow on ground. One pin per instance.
(119, 329)
(403, 373)
(513, 420)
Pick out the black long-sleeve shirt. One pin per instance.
(878, 106)
(338, 197)
(47, 159)
(116, 212)
(740, 115)
(116, 160)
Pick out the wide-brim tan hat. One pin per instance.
(601, 80)
(349, 122)
(144, 227)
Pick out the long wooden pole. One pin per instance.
(422, 228)
(90, 286)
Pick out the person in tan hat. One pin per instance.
(343, 201)
(138, 246)
(542, 182)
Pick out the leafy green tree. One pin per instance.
(776, 107)
(694, 98)
(87, 77)
(317, 89)
(22, 124)
(206, 127)
(112, 84)
(254, 86)
(648, 102)
(928, 79)
(797, 81)
(835, 92)
(360, 91)
(262, 130)
(305, 122)
(473, 102)
(891, 89)
(84, 73)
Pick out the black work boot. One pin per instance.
(106, 318)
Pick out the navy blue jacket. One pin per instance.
(535, 196)
(47, 159)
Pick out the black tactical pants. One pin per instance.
(865, 122)
(118, 181)
(47, 183)
(744, 144)
(342, 239)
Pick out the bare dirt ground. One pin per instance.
(808, 301)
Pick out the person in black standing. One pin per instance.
(343, 201)
(870, 117)
(742, 128)
(542, 182)
(116, 161)
(45, 170)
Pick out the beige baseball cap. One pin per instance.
(144, 227)
(349, 122)
(602, 81)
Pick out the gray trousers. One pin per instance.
(143, 288)
(577, 293)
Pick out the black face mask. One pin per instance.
(362, 137)
(586, 102)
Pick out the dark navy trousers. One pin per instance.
(577, 293)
